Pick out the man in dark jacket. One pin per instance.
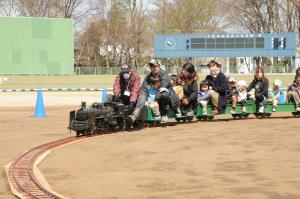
(217, 82)
(126, 87)
(165, 97)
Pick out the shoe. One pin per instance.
(261, 109)
(178, 115)
(190, 114)
(244, 110)
(156, 117)
(215, 111)
(164, 119)
(204, 113)
(298, 109)
(274, 109)
(232, 111)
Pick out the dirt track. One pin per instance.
(224, 159)
(19, 131)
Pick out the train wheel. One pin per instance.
(92, 129)
(199, 118)
(240, 116)
(151, 123)
(234, 116)
(258, 115)
(211, 117)
(246, 115)
(190, 118)
(157, 123)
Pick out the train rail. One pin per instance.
(21, 175)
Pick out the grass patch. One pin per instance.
(96, 81)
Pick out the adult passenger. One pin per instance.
(165, 98)
(217, 82)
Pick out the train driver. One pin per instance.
(126, 87)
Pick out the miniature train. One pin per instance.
(113, 116)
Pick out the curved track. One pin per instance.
(21, 175)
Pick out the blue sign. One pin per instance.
(225, 45)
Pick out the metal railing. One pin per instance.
(177, 69)
(139, 70)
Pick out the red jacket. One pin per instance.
(133, 85)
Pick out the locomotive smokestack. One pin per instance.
(83, 105)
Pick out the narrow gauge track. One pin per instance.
(21, 175)
(21, 171)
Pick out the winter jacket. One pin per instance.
(190, 91)
(162, 75)
(165, 83)
(133, 86)
(230, 93)
(261, 87)
(274, 94)
(219, 84)
(294, 87)
(242, 95)
(179, 91)
(203, 96)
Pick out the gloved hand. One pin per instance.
(117, 98)
(185, 102)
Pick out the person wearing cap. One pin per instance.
(126, 87)
(217, 82)
(274, 94)
(232, 94)
(165, 97)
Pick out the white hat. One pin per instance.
(242, 83)
(231, 79)
(154, 62)
(277, 82)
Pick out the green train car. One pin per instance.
(251, 108)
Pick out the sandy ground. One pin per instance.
(28, 99)
(223, 159)
(19, 131)
(220, 159)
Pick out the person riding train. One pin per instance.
(217, 82)
(261, 86)
(293, 92)
(190, 89)
(126, 87)
(166, 96)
